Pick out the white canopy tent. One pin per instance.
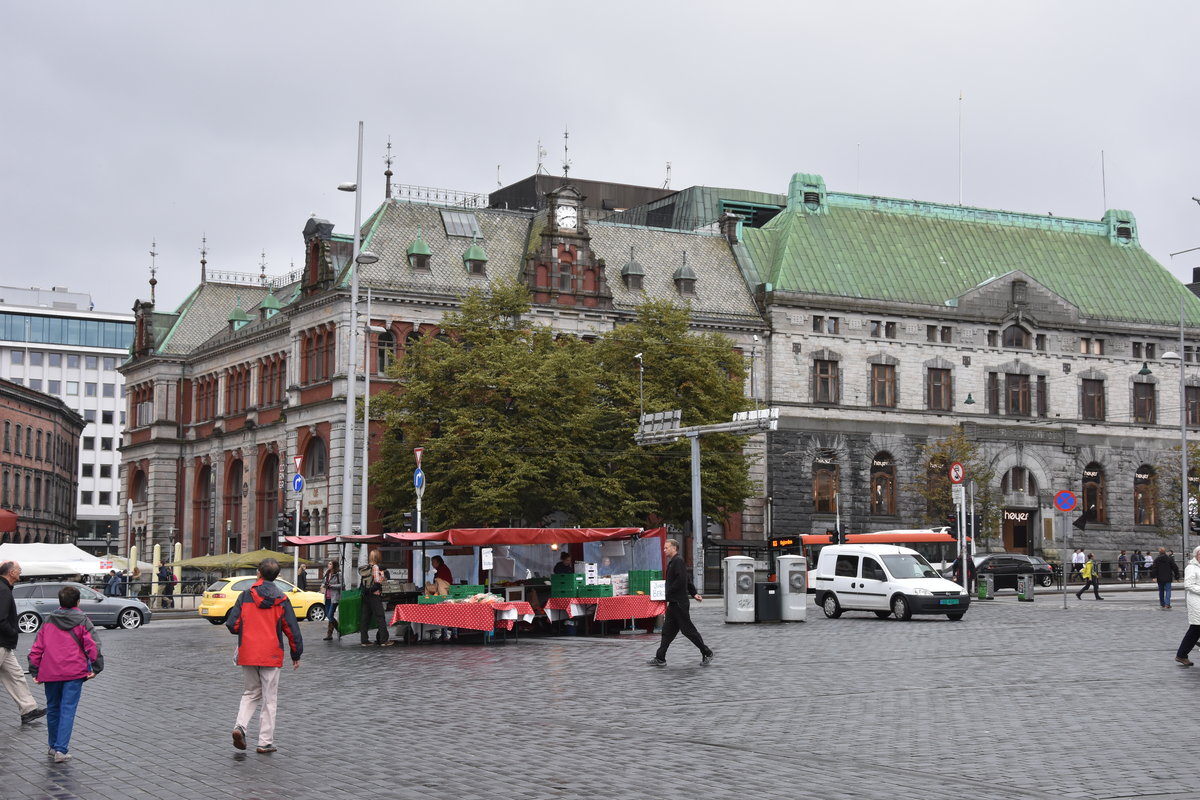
(42, 560)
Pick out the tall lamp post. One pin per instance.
(1185, 507)
(366, 257)
(351, 352)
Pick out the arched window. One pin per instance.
(314, 459)
(1094, 504)
(883, 485)
(232, 521)
(1018, 480)
(137, 493)
(385, 351)
(825, 487)
(1016, 336)
(202, 513)
(1145, 500)
(267, 499)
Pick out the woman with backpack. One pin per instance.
(66, 653)
(1091, 577)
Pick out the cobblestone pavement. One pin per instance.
(1017, 700)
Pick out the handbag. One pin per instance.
(96, 666)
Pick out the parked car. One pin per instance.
(1006, 568)
(35, 601)
(223, 593)
(886, 580)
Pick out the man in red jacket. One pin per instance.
(261, 617)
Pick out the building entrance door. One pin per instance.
(1015, 532)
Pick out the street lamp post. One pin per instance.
(366, 257)
(1185, 506)
(351, 352)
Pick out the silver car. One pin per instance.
(36, 601)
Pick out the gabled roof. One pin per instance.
(925, 253)
(205, 313)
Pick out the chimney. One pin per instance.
(731, 226)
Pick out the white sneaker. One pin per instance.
(61, 757)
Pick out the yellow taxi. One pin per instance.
(222, 594)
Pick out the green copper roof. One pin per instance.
(912, 252)
(238, 315)
(419, 247)
(270, 302)
(474, 253)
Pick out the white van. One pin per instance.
(885, 579)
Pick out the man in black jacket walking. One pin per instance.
(680, 590)
(12, 676)
(1165, 570)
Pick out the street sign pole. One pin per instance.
(296, 559)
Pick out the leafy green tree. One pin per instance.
(1168, 492)
(932, 483)
(519, 423)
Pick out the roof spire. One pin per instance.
(153, 269)
(203, 259)
(387, 173)
(262, 268)
(566, 154)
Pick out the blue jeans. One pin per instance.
(62, 698)
(1164, 593)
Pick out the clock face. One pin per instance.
(566, 216)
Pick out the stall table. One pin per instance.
(470, 616)
(628, 606)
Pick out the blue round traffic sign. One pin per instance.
(1064, 501)
(418, 478)
(297, 483)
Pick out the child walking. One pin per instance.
(61, 659)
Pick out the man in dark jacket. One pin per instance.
(261, 616)
(679, 620)
(12, 676)
(1165, 570)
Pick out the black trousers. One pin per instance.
(1189, 641)
(1092, 582)
(372, 614)
(679, 620)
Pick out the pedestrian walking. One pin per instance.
(1191, 591)
(1077, 562)
(331, 584)
(373, 577)
(1091, 577)
(1122, 566)
(680, 591)
(61, 659)
(11, 674)
(1135, 564)
(166, 579)
(1164, 571)
(261, 617)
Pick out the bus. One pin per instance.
(938, 545)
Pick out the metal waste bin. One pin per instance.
(985, 587)
(1025, 584)
(739, 589)
(793, 588)
(766, 602)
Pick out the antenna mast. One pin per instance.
(203, 258)
(566, 154)
(153, 268)
(541, 156)
(667, 182)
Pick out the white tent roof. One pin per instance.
(39, 560)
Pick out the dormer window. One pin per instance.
(475, 260)
(419, 254)
(1017, 337)
(632, 274)
(685, 278)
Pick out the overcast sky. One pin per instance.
(127, 122)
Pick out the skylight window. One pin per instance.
(461, 223)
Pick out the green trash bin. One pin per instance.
(985, 587)
(349, 610)
(1025, 584)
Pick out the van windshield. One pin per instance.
(906, 566)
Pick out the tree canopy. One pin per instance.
(933, 483)
(522, 425)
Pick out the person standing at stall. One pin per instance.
(331, 584)
(373, 577)
(442, 578)
(680, 591)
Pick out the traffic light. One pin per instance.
(406, 523)
(712, 530)
(304, 527)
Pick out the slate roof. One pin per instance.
(907, 251)
(205, 314)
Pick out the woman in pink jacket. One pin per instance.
(61, 659)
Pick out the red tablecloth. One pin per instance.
(630, 606)
(472, 616)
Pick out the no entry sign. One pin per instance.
(1064, 501)
(957, 472)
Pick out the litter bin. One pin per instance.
(348, 610)
(1025, 584)
(985, 587)
(739, 589)
(793, 588)
(766, 602)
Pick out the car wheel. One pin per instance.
(900, 607)
(316, 612)
(831, 606)
(29, 622)
(1047, 580)
(956, 616)
(130, 618)
(215, 620)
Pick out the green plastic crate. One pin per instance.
(431, 599)
(463, 591)
(595, 590)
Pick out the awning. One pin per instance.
(8, 521)
(484, 537)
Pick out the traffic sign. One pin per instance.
(958, 494)
(419, 481)
(298, 460)
(957, 472)
(297, 483)
(418, 452)
(1064, 501)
